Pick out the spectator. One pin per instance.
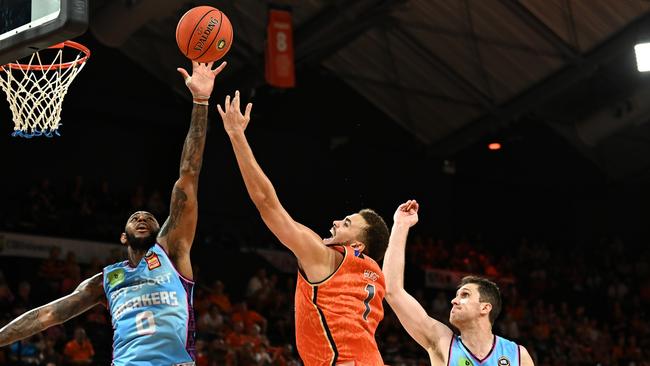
(202, 357)
(6, 298)
(211, 322)
(248, 317)
(79, 351)
(71, 274)
(246, 356)
(52, 268)
(256, 283)
(25, 352)
(221, 354)
(255, 337)
(236, 338)
(219, 297)
(23, 301)
(49, 354)
(283, 356)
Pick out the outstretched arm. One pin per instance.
(88, 294)
(316, 259)
(427, 331)
(177, 233)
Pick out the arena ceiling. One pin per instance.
(448, 71)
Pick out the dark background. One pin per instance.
(328, 152)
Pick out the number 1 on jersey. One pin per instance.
(370, 289)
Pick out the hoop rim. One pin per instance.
(63, 65)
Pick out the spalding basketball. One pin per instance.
(204, 34)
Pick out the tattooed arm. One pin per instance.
(88, 294)
(177, 233)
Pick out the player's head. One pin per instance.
(140, 231)
(79, 334)
(365, 231)
(476, 298)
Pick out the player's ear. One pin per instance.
(123, 239)
(358, 246)
(486, 307)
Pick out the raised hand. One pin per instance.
(233, 120)
(201, 81)
(407, 213)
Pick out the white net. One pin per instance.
(35, 94)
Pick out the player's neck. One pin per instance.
(135, 256)
(478, 338)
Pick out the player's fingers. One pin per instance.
(247, 114)
(221, 112)
(184, 73)
(235, 102)
(219, 68)
(227, 103)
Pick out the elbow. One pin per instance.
(265, 205)
(260, 199)
(47, 317)
(392, 292)
(188, 171)
(264, 198)
(394, 288)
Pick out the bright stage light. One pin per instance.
(642, 51)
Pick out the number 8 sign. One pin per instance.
(280, 69)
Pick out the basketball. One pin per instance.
(204, 34)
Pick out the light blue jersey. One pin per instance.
(151, 311)
(503, 353)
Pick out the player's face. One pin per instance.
(346, 231)
(466, 306)
(141, 230)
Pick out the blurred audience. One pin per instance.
(569, 304)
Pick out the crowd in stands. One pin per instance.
(83, 208)
(568, 303)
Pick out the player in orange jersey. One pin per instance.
(340, 287)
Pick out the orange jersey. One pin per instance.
(336, 318)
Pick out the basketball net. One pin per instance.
(35, 90)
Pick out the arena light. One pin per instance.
(494, 146)
(642, 51)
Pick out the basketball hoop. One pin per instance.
(35, 89)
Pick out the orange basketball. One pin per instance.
(204, 34)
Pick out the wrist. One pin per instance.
(399, 225)
(200, 99)
(235, 135)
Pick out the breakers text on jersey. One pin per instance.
(147, 299)
(154, 298)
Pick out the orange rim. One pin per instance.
(63, 65)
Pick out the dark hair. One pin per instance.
(488, 292)
(375, 235)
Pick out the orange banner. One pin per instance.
(280, 68)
